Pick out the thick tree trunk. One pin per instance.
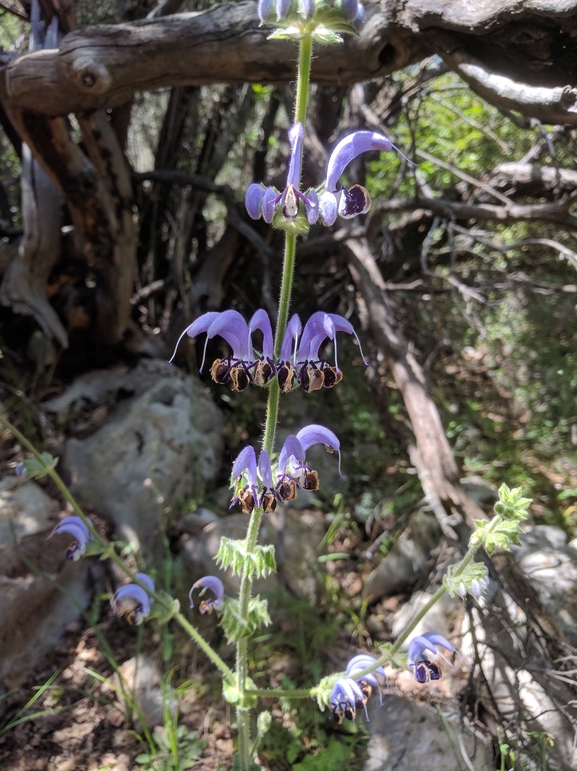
(24, 285)
(520, 56)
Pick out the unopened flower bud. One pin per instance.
(462, 589)
(264, 9)
(282, 9)
(350, 9)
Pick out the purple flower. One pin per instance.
(267, 202)
(75, 527)
(423, 669)
(299, 360)
(346, 698)
(366, 682)
(215, 585)
(254, 486)
(242, 366)
(355, 200)
(292, 469)
(312, 372)
(133, 601)
(261, 485)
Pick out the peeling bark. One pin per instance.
(24, 284)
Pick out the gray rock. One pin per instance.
(298, 539)
(160, 445)
(148, 696)
(408, 736)
(407, 559)
(529, 695)
(481, 491)
(520, 682)
(440, 618)
(195, 521)
(34, 612)
(551, 566)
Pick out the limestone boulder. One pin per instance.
(406, 736)
(295, 535)
(154, 439)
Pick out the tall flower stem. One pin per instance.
(108, 551)
(242, 713)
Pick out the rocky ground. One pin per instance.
(134, 444)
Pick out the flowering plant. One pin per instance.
(288, 358)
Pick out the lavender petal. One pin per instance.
(253, 200)
(348, 149)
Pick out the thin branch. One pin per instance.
(505, 146)
(465, 177)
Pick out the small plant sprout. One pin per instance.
(214, 585)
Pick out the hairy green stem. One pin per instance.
(282, 693)
(243, 723)
(108, 551)
(303, 79)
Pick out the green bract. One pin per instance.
(234, 555)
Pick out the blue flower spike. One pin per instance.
(346, 698)
(214, 585)
(367, 682)
(299, 361)
(75, 527)
(423, 669)
(132, 601)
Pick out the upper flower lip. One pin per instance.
(320, 326)
(364, 661)
(215, 585)
(349, 148)
(426, 642)
(75, 527)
